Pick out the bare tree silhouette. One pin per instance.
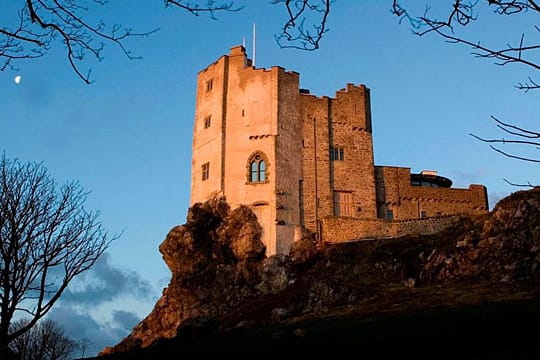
(449, 20)
(44, 341)
(305, 25)
(458, 14)
(47, 238)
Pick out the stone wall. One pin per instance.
(208, 141)
(288, 156)
(342, 123)
(342, 229)
(395, 192)
(317, 200)
(351, 131)
(251, 113)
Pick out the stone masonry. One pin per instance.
(302, 161)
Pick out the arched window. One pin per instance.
(257, 168)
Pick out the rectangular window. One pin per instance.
(337, 153)
(209, 84)
(207, 122)
(423, 214)
(343, 204)
(205, 168)
(389, 215)
(333, 154)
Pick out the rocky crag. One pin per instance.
(222, 280)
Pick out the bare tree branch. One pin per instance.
(528, 85)
(43, 23)
(295, 33)
(505, 141)
(211, 7)
(459, 14)
(518, 134)
(528, 184)
(514, 156)
(462, 13)
(521, 132)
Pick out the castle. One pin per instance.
(301, 161)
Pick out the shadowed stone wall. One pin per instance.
(340, 229)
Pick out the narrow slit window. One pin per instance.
(209, 84)
(205, 169)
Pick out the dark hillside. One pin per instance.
(469, 292)
(498, 330)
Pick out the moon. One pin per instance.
(18, 79)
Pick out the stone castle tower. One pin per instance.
(304, 161)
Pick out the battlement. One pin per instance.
(350, 89)
(247, 63)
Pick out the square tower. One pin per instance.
(247, 143)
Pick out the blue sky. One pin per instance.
(127, 136)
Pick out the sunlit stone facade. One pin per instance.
(303, 161)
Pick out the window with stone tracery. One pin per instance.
(257, 168)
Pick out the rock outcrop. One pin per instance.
(222, 279)
(217, 261)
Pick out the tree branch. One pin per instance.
(518, 133)
(528, 184)
(211, 7)
(295, 34)
(45, 22)
(522, 132)
(504, 141)
(463, 14)
(514, 156)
